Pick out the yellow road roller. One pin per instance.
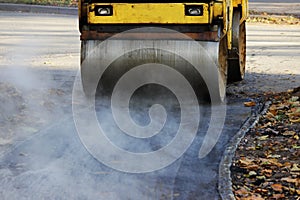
(218, 25)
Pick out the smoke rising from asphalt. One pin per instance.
(54, 163)
(17, 83)
(45, 159)
(32, 98)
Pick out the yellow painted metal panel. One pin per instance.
(244, 10)
(235, 3)
(217, 10)
(161, 13)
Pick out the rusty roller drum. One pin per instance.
(237, 55)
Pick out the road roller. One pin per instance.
(218, 25)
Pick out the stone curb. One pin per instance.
(38, 9)
(224, 182)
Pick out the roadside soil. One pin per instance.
(266, 18)
(267, 161)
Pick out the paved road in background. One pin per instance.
(273, 57)
(289, 7)
(50, 161)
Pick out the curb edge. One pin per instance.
(224, 179)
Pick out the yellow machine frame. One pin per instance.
(166, 13)
(142, 13)
(221, 21)
(229, 7)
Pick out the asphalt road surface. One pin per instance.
(42, 156)
(288, 7)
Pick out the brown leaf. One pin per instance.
(261, 190)
(270, 115)
(249, 104)
(251, 167)
(245, 161)
(287, 164)
(282, 106)
(253, 197)
(277, 187)
(289, 133)
(267, 172)
(272, 161)
(252, 148)
(290, 189)
(295, 120)
(241, 192)
(296, 110)
(278, 196)
(273, 110)
(296, 181)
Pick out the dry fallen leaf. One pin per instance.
(289, 133)
(267, 172)
(261, 190)
(273, 110)
(253, 197)
(277, 187)
(242, 192)
(251, 167)
(273, 161)
(278, 196)
(295, 120)
(245, 161)
(296, 181)
(249, 104)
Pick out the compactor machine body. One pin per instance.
(217, 22)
